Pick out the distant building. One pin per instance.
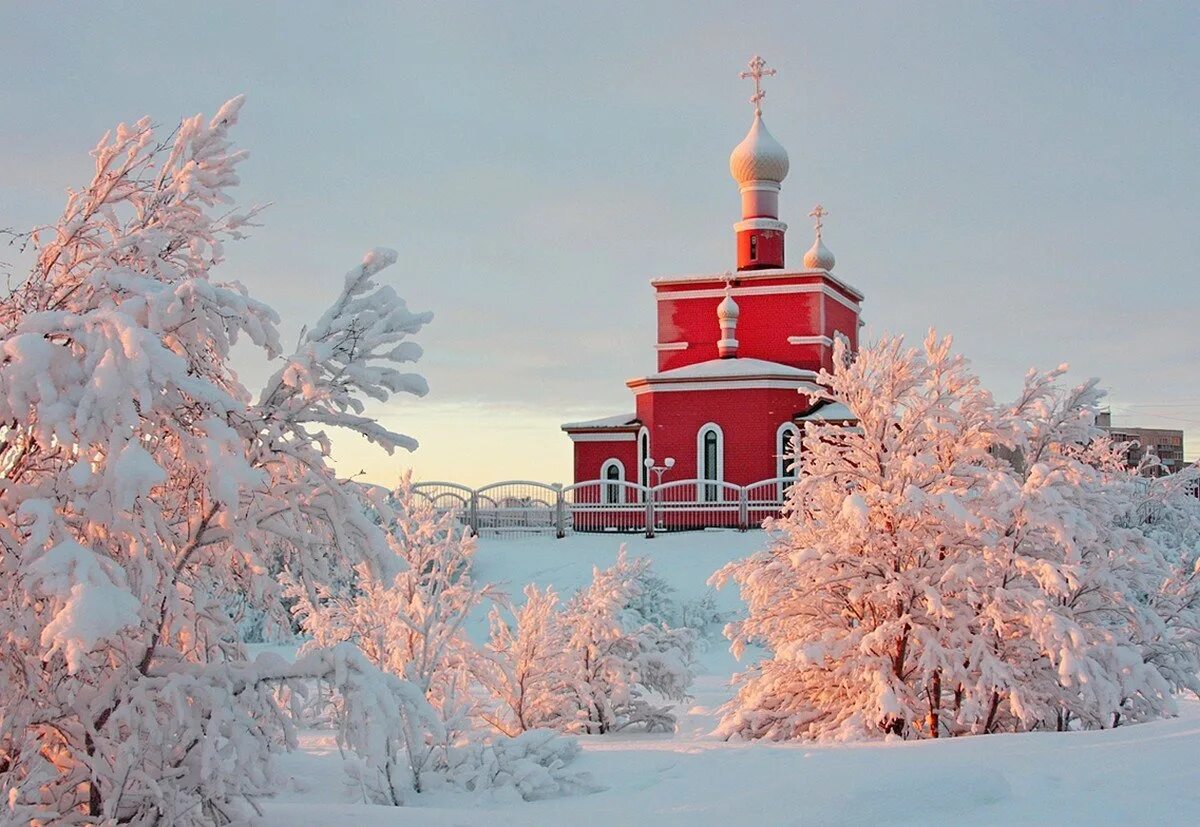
(1165, 443)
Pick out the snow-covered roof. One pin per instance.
(732, 369)
(618, 421)
(829, 412)
(757, 275)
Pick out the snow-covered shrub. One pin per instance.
(410, 623)
(586, 667)
(142, 487)
(954, 566)
(655, 602)
(530, 766)
(531, 670)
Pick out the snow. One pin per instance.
(829, 412)
(1142, 774)
(732, 368)
(618, 421)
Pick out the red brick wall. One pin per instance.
(748, 419)
(764, 324)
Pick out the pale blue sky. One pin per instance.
(1024, 176)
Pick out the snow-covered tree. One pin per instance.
(531, 667)
(142, 486)
(590, 666)
(953, 566)
(410, 623)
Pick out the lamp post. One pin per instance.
(658, 470)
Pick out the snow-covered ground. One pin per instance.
(1148, 774)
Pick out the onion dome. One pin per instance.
(759, 157)
(818, 256)
(728, 309)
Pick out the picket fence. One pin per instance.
(524, 507)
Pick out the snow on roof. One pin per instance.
(732, 369)
(829, 412)
(756, 275)
(618, 421)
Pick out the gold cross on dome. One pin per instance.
(819, 214)
(758, 71)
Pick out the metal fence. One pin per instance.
(526, 507)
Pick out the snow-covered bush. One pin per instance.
(410, 623)
(590, 666)
(142, 488)
(530, 766)
(954, 566)
(655, 602)
(531, 672)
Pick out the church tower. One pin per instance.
(758, 165)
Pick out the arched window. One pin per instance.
(613, 471)
(643, 452)
(710, 461)
(754, 248)
(787, 455)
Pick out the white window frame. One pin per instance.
(701, 480)
(643, 471)
(605, 482)
(781, 459)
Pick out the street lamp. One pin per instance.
(659, 470)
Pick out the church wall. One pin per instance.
(749, 420)
(591, 456)
(766, 322)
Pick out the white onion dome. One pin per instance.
(759, 157)
(728, 309)
(818, 256)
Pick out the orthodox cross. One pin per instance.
(728, 279)
(758, 71)
(819, 214)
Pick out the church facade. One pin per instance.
(735, 350)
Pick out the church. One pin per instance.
(735, 350)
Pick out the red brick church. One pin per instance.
(734, 349)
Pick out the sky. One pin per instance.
(1023, 176)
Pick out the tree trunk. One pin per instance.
(935, 703)
(991, 716)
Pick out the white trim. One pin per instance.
(760, 290)
(758, 275)
(701, 479)
(760, 224)
(643, 471)
(765, 384)
(618, 436)
(810, 340)
(671, 346)
(749, 383)
(605, 482)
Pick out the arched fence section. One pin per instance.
(526, 507)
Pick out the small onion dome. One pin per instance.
(728, 309)
(759, 157)
(818, 256)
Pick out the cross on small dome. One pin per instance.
(818, 256)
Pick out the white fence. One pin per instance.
(519, 507)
